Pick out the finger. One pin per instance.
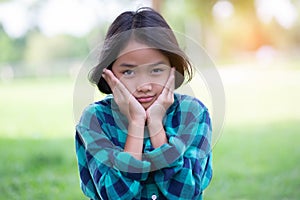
(172, 79)
(170, 84)
(117, 87)
(110, 78)
(114, 85)
(106, 77)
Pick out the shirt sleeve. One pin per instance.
(183, 165)
(105, 170)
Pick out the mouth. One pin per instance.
(146, 99)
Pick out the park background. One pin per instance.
(255, 45)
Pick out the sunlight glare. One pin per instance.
(14, 19)
(61, 16)
(70, 16)
(223, 10)
(283, 11)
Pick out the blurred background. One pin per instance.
(255, 45)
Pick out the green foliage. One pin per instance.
(11, 49)
(37, 51)
(41, 49)
(223, 39)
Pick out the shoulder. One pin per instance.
(188, 117)
(102, 105)
(187, 109)
(188, 103)
(97, 109)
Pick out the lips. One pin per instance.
(145, 99)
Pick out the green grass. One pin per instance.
(36, 140)
(36, 108)
(256, 157)
(38, 169)
(257, 162)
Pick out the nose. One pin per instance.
(145, 87)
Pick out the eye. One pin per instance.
(128, 73)
(157, 71)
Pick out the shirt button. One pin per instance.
(154, 197)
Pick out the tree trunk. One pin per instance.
(156, 5)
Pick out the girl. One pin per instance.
(143, 141)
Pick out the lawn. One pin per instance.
(257, 162)
(38, 169)
(256, 157)
(36, 140)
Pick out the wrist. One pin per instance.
(158, 136)
(134, 146)
(154, 124)
(155, 127)
(137, 123)
(136, 129)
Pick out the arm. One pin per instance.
(157, 111)
(133, 111)
(134, 142)
(105, 169)
(158, 134)
(184, 164)
(86, 183)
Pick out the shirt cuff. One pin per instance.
(167, 155)
(131, 167)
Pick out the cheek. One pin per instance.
(158, 87)
(129, 84)
(161, 80)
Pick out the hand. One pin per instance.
(128, 105)
(157, 110)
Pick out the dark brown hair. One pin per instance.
(145, 26)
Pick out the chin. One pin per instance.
(147, 105)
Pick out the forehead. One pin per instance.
(133, 45)
(139, 53)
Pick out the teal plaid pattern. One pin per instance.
(180, 169)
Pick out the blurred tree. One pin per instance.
(11, 49)
(244, 22)
(239, 31)
(202, 11)
(41, 49)
(157, 4)
(251, 32)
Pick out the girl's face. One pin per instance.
(143, 70)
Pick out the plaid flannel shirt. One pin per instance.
(179, 169)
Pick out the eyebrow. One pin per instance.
(127, 65)
(150, 65)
